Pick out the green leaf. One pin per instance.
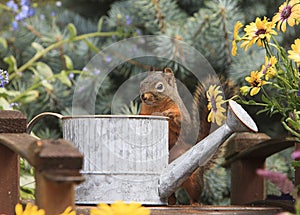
(8, 93)
(47, 85)
(63, 77)
(72, 29)
(296, 163)
(68, 62)
(12, 63)
(4, 104)
(44, 71)
(100, 23)
(38, 47)
(29, 96)
(3, 43)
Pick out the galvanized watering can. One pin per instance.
(126, 157)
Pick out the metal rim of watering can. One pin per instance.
(32, 122)
(242, 115)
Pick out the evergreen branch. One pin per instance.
(226, 37)
(159, 16)
(33, 30)
(199, 31)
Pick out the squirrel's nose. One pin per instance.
(145, 96)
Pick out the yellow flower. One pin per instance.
(257, 32)
(236, 37)
(255, 82)
(120, 208)
(294, 54)
(68, 211)
(234, 48)
(29, 210)
(237, 27)
(215, 101)
(245, 90)
(288, 13)
(268, 69)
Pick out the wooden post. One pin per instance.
(57, 166)
(245, 154)
(54, 197)
(10, 122)
(246, 185)
(297, 169)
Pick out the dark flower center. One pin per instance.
(213, 104)
(286, 12)
(260, 31)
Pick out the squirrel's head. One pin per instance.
(158, 86)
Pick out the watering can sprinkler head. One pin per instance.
(238, 119)
(179, 170)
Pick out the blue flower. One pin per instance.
(12, 5)
(14, 104)
(128, 20)
(71, 76)
(20, 14)
(108, 58)
(4, 79)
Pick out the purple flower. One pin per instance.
(15, 25)
(24, 12)
(97, 71)
(11, 4)
(279, 179)
(298, 93)
(108, 58)
(71, 75)
(4, 79)
(14, 104)
(25, 2)
(296, 155)
(58, 4)
(128, 20)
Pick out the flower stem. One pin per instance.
(40, 54)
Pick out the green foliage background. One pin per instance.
(59, 41)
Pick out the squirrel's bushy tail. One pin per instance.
(200, 110)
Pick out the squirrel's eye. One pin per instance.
(159, 86)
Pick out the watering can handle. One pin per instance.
(40, 116)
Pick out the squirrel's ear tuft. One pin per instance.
(169, 75)
(168, 70)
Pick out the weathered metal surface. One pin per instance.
(205, 209)
(10, 122)
(124, 157)
(176, 173)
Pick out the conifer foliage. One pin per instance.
(46, 45)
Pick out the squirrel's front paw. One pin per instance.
(168, 114)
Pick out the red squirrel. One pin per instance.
(159, 95)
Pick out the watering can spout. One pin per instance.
(179, 170)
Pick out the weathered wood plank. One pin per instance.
(262, 150)
(203, 209)
(44, 154)
(10, 122)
